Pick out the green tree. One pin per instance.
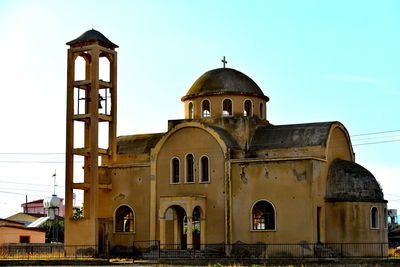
(54, 231)
(78, 213)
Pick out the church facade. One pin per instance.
(223, 174)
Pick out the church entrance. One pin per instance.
(175, 228)
(182, 222)
(196, 227)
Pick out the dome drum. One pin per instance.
(224, 92)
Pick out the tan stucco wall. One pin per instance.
(12, 235)
(130, 186)
(287, 186)
(339, 145)
(351, 222)
(198, 142)
(216, 105)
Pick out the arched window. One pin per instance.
(175, 170)
(374, 218)
(248, 110)
(205, 107)
(124, 219)
(80, 68)
(191, 110)
(261, 110)
(104, 69)
(385, 218)
(227, 108)
(263, 216)
(189, 168)
(204, 169)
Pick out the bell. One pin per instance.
(100, 99)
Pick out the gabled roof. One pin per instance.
(292, 135)
(23, 228)
(39, 201)
(137, 144)
(8, 222)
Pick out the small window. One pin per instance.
(205, 169)
(175, 171)
(248, 109)
(189, 168)
(261, 110)
(124, 220)
(191, 110)
(263, 216)
(374, 218)
(206, 109)
(24, 239)
(227, 108)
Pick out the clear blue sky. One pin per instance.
(316, 60)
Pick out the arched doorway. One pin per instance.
(196, 227)
(175, 228)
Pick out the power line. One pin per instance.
(392, 131)
(31, 153)
(380, 142)
(378, 137)
(26, 183)
(5, 192)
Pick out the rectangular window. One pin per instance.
(24, 239)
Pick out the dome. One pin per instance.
(224, 81)
(348, 181)
(93, 36)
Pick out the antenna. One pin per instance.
(55, 177)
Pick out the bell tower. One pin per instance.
(91, 106)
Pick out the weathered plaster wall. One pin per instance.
(351, 222)
(131, 187)
(287, 185)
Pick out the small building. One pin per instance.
(25, 218)
(14, 232)
(37, 207)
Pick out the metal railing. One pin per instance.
(154, 250)
(46, 251)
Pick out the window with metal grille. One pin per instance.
(206, 109)
(227, 107)
(263, 216)
(248, 108)
(124, 219)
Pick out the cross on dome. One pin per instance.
(224, 61)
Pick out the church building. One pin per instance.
(222, 174)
